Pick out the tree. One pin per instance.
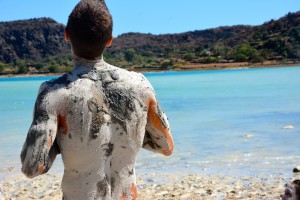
(129, 55)
(52, 69)
(241, 57)
(257, 59)
(2, 67)
(38, 66)
(69, 68)
(245, 53)
(22, 69)
(188, 57)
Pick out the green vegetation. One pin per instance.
(43, 49)
(3, 67)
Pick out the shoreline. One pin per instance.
(238, 65)
(191, 186)
(187, 67)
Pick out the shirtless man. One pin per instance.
(97, 116)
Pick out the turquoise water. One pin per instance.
(223, 121)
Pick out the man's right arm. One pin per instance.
(158, 137)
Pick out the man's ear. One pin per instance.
(110, 41)
(67, 36)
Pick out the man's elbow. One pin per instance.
(168, 151)
(160, 142)
(31, 167)
(29, 171)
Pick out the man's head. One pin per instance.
(89, 28)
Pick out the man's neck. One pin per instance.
(83, 65)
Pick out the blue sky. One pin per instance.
(159, 16)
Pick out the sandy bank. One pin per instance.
(186, 67)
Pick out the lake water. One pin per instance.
(223, 121)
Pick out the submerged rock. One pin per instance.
(248, 135)
(288, 127)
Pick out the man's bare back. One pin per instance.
(98, 117)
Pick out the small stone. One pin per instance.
(184, 196)
(162, 193)
(296, 169)
(200, 191)
(209, 192)
(150, 180)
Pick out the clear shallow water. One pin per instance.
(210, 113)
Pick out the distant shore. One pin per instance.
(236, 65)
(205, 187)
(186, 67)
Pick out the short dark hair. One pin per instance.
(90, 28)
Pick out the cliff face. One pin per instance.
(37, 39)
(32, 39)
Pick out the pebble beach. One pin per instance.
(206, 187)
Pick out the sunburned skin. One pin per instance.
(98, 117)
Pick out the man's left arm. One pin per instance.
(40, 148)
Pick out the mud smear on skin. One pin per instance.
(96, 119)
(130, 172)
(149, 141)
(98, 109)
(109, 148)
(38, 156)
(112, 183)
(162, 119)
(120, 103)
(40, 114)
(101, 188)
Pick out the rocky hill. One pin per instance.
(276, 38)
(32, 39)
(40, 43)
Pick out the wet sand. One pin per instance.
(206, 187)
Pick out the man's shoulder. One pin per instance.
(120, 70)
(61, 80)
(54, 84)
(129, 76)
(131, 80)
(134, 78)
